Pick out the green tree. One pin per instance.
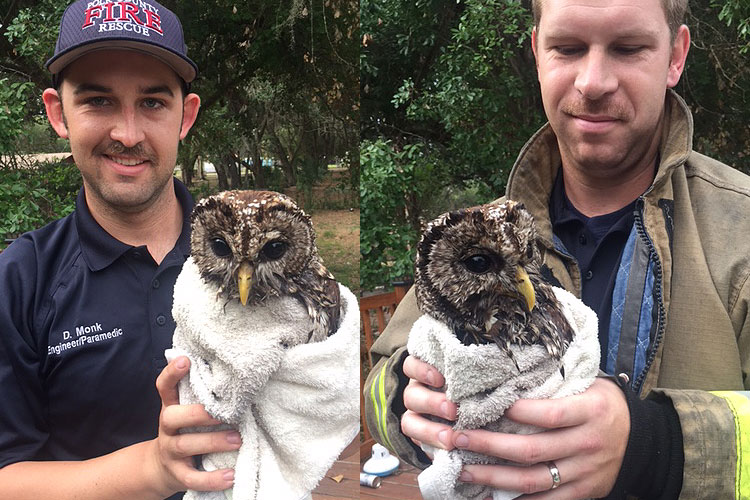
(14, 99)
(31, 198)
(716, 81)
(275, 74)
(389, 182)
(736, 13)
(449, 96)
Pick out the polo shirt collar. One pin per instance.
(100, 249)
(563, 213)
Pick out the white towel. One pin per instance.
(484, 382)
(296, 408)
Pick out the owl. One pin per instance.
(253, 245)
(478, 270)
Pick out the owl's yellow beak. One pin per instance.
(244, 280)
(524, 287)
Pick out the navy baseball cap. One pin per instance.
(141, 25)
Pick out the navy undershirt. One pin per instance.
(597, 244)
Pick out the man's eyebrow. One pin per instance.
(91, 87)
(157, 89)
(101, 89)
(564, 33)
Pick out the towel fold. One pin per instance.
(484, 382)
(295, 405)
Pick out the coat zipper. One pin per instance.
(641, 231)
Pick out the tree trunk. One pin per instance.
(257, 167)
(189, 169)
(201, 170)
(223, 175)
(258, 175)
(235, 179)
(256, 140)
(287, 167)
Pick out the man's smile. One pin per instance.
(127, 165)
(126, 161)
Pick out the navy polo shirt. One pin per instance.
(597, 244)
(84, 322)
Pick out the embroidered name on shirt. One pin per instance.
(84, 335)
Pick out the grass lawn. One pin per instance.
(337, 234)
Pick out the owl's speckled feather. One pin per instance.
(467, 276)
(255, 226)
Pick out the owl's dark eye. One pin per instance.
(478, 263)
(220, 247)
(274, 250)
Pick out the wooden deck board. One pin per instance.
(347, 465)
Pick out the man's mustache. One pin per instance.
(116, 148)
(609, 109)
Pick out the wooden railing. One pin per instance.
(375, 312)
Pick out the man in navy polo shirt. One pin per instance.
(85, 305)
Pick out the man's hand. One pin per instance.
(173, 451)
(420, 400)
(587, 437)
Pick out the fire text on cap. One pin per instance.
(135, 16)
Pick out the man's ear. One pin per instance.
(190, 106)
(53, 107)
(534, 46)
(680, 48)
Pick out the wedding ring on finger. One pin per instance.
(555, 473)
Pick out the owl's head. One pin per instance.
(472, 256)
(251, 244)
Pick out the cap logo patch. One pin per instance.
(134, 16)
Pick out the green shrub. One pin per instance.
(387, 237)
(33, 197)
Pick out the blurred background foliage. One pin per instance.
(29, 198)
(278, 83)
(449, 97)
